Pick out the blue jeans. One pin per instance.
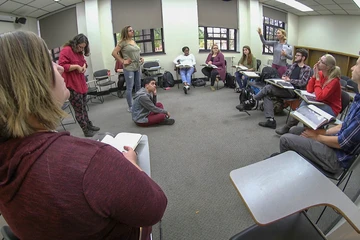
(240, 81)
(323, 107)
(131, 78)
(185, 74)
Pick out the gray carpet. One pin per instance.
(192, 159)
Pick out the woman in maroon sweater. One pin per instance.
(325, 84)
(53, 185)
(216, 58)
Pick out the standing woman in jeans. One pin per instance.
(281, 51)
(128, 52)
(73, 61)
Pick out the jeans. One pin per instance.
(185, 74)
(131, 78)
(323, 107)
(241, 79)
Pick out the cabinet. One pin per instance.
(343, 60)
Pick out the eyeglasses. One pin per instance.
(215, 48)
(298, 55)
(130, 30)
(321, 61)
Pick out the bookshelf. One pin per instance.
(343, 60)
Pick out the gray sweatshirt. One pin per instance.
(143, 105)
(278, 47)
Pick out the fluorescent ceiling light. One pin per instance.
(357, 2)
(297, 5)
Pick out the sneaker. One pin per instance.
(240, 107)
(282, 130)
(91, 127)
(168, 121)
(88, 133)
(129, 109)
(270, 123)
(185, 89)
(212, 88)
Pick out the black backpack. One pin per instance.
(230, 81)
(247, 100)
(198, 82)
(268, 73)
(168, 79)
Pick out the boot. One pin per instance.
(91, 127)
(88, 133)
(270, 123)
(285, 129)
(167, 121)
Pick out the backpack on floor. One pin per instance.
(168, 80)
(246, 99)
(198, 82)
(230, 81)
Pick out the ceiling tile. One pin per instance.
(308, 2)
(38, 13)
(349, 6)
(325, 1)
(318, 7)
(24, 10)
(10, 6)
(40, 3)
(353, 12)
(312, 13)
(325, 12)
(2, 1)
(339, 12)
(332, 7)
(53, 7)
(70, 2)
(22, 1)
(343, 1)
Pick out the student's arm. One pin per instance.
(219, 60)
(310, 85)
(208, 58)
(193, 59)
(254, 64)
(176, 60)
(324, 93)
(269, 43)
(116, 189)
(330, 141)
(289, 53)
(116, 55)
(66, 62)
(149, 105)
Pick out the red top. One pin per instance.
(329, 94)
(55, 186)
(73, 80)
(118, 65)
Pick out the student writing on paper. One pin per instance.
(248, 60)
(331, 149)
(325, 83)
(216, 58)
(298, 75)
(189, 61)
(147, 111)
(68, 187)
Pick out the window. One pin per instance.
(224, 37)
(150, 41)
(269, 32)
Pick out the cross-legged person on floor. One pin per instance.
(331, 149)
(72, 60)
(325, 84)
(146, 110)
(186, 63)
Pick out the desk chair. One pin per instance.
(292, 104)
(218, 79)
(152, 69)
(103, 80)
(295, 227)
(64, 107)
(178, 81)
(345, 102)
(8, 234)
(92, 92)
(339, 177)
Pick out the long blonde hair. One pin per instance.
(333, 71)
(26, 79)
(283, 32)
(212, 52)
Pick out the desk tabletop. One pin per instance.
(285, 184)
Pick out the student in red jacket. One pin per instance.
(72, 59)
(53, 185)
(325, 84)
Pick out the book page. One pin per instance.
(308, 97)
(309, 117)
(250, 74)
(123, 139)
(183, 66)
(241, 67)
(322, 113)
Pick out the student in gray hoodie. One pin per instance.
(145, 110)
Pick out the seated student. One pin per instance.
(332, 148)
(298, 75)
(216, 58)
(146, 111)
(249, 61)
(53, 185)
(325, 84)
(186, 59)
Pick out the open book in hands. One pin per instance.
(312, 116)
(209, 65)
(183, 66)
(123, 139)
(240, 67)
(280, 83)
(307, 97)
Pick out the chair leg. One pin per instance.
(347, 181)
(62, 125)
(320, 215)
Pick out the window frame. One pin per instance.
(151, 40)
(227, 39)
(271, 24)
